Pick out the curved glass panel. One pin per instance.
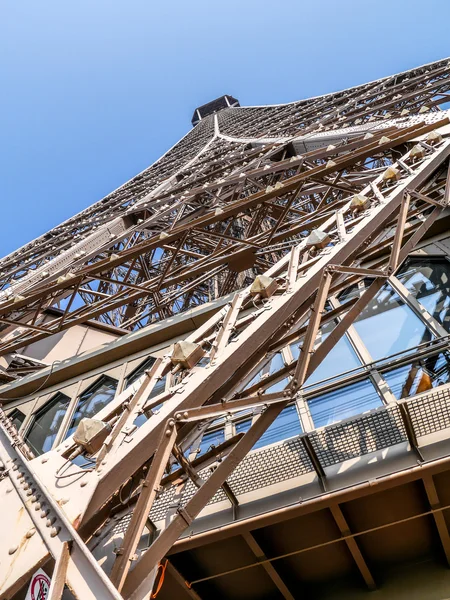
(46, 424)
(139, 370)
(92, 401)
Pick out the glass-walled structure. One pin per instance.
(396, 348)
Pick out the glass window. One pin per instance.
(286, 425)
(46, 423)
(276, 363)
(429, 282)
(138, 371)
(388, 326)
(17, 417)
(419, 376)
(211, 438)
(158, 388)
(92, 401)
(279, 386)
(160, 384)
(343, 403)
(243, 426)
(341, 357)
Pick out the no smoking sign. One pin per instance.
(39, 586)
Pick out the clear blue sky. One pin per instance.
(93, 91)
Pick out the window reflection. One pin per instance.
(279, 386)
(158, 388)
(286, 425)
(243, 426)
(46, 423)
(419, 376)
(429, 282)
(92, 401)
(276, 363)
(17, 417)
(139, 371)
(211, 438)
(387, 325)
(343, 403)
(160, 384)
(341, 357)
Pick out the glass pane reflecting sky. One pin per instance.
(387, 325)
(429, 282)
(286, 425)
(419, 376)
(46, 424)
(343, 403)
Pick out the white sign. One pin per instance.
(39, 586)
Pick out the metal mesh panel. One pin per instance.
(430, 413)
(121, 526)
(270, 465)
(333, 444)
(359, 436)
(259, 469)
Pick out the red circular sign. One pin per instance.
(39, 587)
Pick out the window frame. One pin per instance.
(42, 409)
(73, 407)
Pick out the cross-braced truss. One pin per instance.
(304, 200)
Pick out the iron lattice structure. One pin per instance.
(312, 197)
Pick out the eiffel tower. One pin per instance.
(229, 377)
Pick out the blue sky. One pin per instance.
(93, 91)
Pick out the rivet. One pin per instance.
(83, 483)
(44, 513)
(44, 460)
(38, 506)
(12, 550)
(49, 522)
(54, 532)
(30, 533)
(9, 490)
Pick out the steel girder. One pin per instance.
(215, 230)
